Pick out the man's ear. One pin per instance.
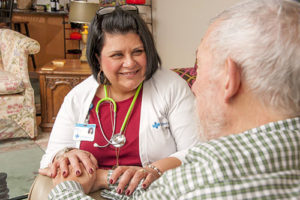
(232, 79)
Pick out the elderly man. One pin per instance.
(248, 100)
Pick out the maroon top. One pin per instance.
(129, 153)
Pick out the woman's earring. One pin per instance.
(101, 77)
(98, 77)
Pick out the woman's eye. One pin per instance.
(138, 52)
(116, 55)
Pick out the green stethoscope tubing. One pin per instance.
(110, 100)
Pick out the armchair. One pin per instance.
(17, 108)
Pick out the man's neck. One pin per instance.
(248, 112)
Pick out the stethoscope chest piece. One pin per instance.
(118, 140)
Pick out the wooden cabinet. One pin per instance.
(47, 29)
(55, 84)
(71, 45)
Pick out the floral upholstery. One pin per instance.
(10, 84)
(17, 109)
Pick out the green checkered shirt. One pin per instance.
(261, 163)
(68, 190)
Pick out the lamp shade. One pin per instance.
(82, 11)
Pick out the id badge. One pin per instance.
(84, 132)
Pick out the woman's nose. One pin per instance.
(129, 62)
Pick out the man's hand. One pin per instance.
(86, 179)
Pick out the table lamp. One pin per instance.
(83, 12)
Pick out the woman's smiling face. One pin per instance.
(123, 61)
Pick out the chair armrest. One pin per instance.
(14, 48)
(42, 186)
(188, 74)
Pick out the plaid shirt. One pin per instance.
(261, 163)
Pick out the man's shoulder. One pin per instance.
(261, 150)
(247, 162)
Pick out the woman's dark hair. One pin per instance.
(120, 21)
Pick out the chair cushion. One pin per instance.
(188, 74)
(10, 84)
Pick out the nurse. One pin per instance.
(141, 114)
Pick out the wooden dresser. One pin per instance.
(55, 83)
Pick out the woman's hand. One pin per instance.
(131, 176)
(86, 179)
(73, 157)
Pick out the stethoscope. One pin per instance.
(117, 140)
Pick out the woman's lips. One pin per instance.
(131, 73)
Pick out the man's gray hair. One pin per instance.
(263, 37)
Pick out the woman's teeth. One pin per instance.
(129, 73)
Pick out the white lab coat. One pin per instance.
(167, 99)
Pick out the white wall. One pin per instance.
(179, 25)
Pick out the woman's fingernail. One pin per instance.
(127, 192)
(111, 181)
(64, 173)
(119, 191)
(77, 172)
(144, 185)
(91, 171)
